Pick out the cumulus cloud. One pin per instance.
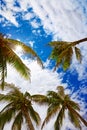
(41, 79)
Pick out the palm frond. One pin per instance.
(54, 96)
(17, 63)
(78, 54)
(35, 116)
(76, 113)
(74, 105)
(5, 117)
(17, 122)
(74, 119)
(26, 49)
(3, 68)
(40, 99)
(67, 59)
(59, 120)
(51, 111)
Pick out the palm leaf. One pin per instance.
(41, 99)
(74, 119)
(26, 49)
(51, 111)
(17, 122)
(6, 117)
(78, 54)
(3, 68)
(17, 63)
(35, 116)
(59, 120)
(76, 113)
(67, 59)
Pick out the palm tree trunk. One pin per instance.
(28, 119)
(71, 109)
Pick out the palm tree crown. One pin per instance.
(18, 107)
(7, 55)
(63, 51)
(58, 103)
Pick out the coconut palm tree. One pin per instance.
(18, 108)
(7, 55)
(63, 51)
(58, 103)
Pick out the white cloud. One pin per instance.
(35, 24)
(31, 43)
(65, 19)
(41, 79)
(9, 15)
(28, 16)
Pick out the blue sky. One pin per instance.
(36, 23)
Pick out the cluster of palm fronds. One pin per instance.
(7, 55)
(19, 105)
(63, 51)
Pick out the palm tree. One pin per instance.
(58, 103)
(63, 51)
(19, 108)
(7, 55)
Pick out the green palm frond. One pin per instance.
(17, 122)
(51, 111)
(3, 68)
(40, 99)
(78, 54)
(7, 55)
(17, 63)
(71, 109)
(19, 106)
(59, 120)
(35, 116)
(74, 119)
(60, 90)
(67, 59)
(74, 105)
(62, 52)
(27, 94)
(54, 96)
(26, 49)
(5, 117)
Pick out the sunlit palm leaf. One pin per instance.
(26, 49)
(7, 55)
(17, 63)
